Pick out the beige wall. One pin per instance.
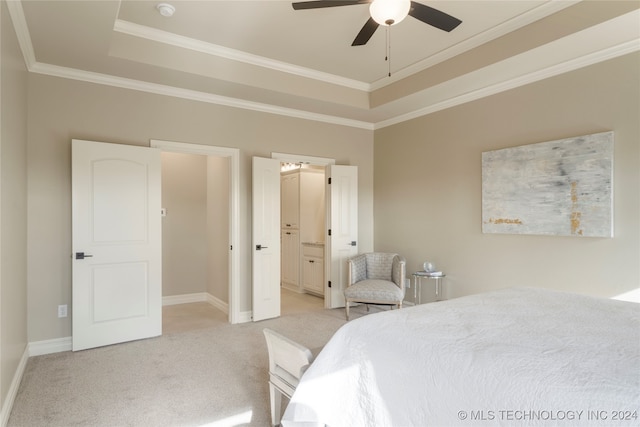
(60, 110)
(218, 188)
(428, 185)
(13, 208)
(195, 232)
(184, 237)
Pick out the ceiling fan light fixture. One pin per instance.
(389, 12)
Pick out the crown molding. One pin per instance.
(452, 92)
(520, 21)
(18, 19)
(159, 89)
(165, 37)
(16, 12)
(512, 83)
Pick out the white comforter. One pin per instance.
(518, 356)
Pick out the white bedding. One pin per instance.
(519, 356)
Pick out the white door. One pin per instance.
(342, 220)
(117, 260)
(266, 238)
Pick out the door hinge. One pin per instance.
(329, 232)
(329, 283)
(231, 247)
(329, 180)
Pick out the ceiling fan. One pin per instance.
(387, 12)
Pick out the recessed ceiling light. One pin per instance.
(166, 9)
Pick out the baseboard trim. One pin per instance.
(56, 345)
(7, 405)
(196, 297)
(218, 303)
(184, 299)
(293, 288)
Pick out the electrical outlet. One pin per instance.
(62, 310)
(407, 283)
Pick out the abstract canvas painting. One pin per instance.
(559, 188)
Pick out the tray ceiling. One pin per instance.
(266, 56)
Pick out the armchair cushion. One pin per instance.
(379, 265)
(374, 290)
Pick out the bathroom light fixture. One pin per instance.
(285, 167)
(166, 9)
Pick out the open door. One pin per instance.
(266, 238)
(342, 223)
(117, 259)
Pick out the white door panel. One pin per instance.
(121, 183)
(117, 270)
(266, 238)
(109, 282)
(342, 200)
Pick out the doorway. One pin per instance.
(319, 269)
(341, 225)
(195, 229)
(232, 156)
(303, 230)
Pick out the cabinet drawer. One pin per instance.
(313, 251)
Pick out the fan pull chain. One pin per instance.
(388, 53)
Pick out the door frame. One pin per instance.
(234, 209)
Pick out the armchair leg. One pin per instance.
(346, 308)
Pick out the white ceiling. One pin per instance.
(320, 39)
(263, 55)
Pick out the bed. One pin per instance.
(518, 356)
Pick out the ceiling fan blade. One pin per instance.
(318, 4)
(365, 33)
(433, 17)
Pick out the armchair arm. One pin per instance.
(398, 271)
(357, 268)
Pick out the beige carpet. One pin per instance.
(201, 372)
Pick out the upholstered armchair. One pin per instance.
(375, 278)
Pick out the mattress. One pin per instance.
(518, 356)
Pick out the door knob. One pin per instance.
(82, 255)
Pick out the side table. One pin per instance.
(417, 285)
